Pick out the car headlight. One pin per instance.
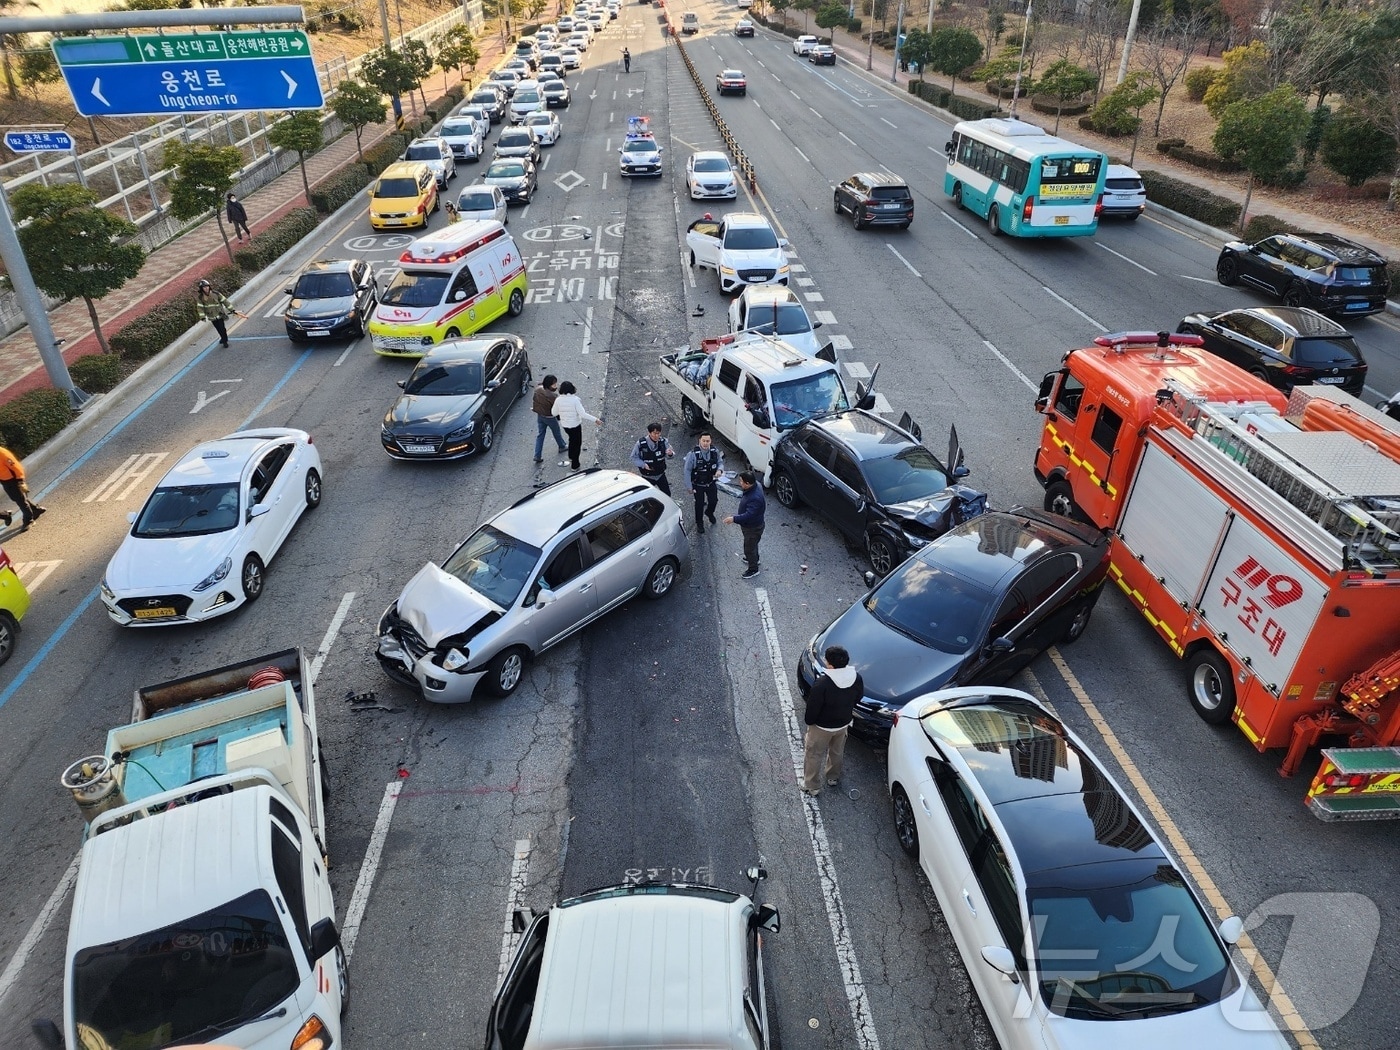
(107, 592)
(456, 659)
(215, 576)
(463, 431)
(726, 269)
(783, 268)
(914, 540)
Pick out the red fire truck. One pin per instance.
(1259, 534)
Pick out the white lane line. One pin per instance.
(760, 62)
(841, 342)
(882, 405)
(857, 370)
(823, 317)
(802, 155)
(815, 113)
(544, 164)
(890, 123)
(814, 297)
(905, 261)
(805, 282)
(33, 573)
(774, 123)
(689, 270)
(605, 181)
(794, 94)
(587, 329)
(515, 898)
(1189, 277)
(134, 470)
(1130, 262)
(887, 171)
(37, 930)
(345, 353)
(1081, 313)
(329, 640)
(958, 225)
(847, 137)
(354, 914)
(1007, 362)
(846, 960)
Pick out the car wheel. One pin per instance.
(785, 489)
(1261, 373)
(503, 674)
(9, 631)
(1079, 622)
(313, 489)
(883, 556)
(452, 333)
(836, 203)
(905, 828)
(253, 577)
(1212, 686)
(1059, 499)
(992, 224)
(517, 302)
(661, 578)
(855, 217)
(488, 435)
(1295, 296)
(957, 196)
(691, 414)
(358, 332)
(342, 976)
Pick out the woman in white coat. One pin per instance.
(569, 408)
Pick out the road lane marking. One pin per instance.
(815, 113)
(890, 123)
(328, 639)
(1277, 996)
(905, 261)
(33, 573)
(355, 913)
(857, 370)
(1007, 362)
(1081, 313)
(802, 155)
(515, 899)
(1130, 262)
(40, 926)
(814, 297)
(841, 342)
(775, 124)
(587, 329)
(134, 470)
(846, 137)
(958, 224)
(849, 965)
(823, 317)
(1189, 277)
(202, 400)
(277, 389)
(345, 353)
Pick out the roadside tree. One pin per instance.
(1167, 49)
(38, 67)
(831, 15)
(75, 250)
(456, 49)
(1263, 134)
(952, 50)
(1245, 74)
(392, 72)
(302, 132)
(1065, 82)
(917, 49)
(203, 176)
(1356, 147)
(358, 105)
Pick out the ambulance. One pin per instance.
(449, 284)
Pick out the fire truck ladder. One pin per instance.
(1345, 485)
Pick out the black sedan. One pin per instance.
(456, 397)
(1283, 345)
(973, 607)
(1318, 270)
(516, 177)
(822, 55)
(331, 297)
(873, 481)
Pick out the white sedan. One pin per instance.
(546, 127)
(570, 57)
(200, 546)
(708, 173)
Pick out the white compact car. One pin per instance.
(1123, 192)
(1076, 925)
(480, 201)
(741, 248)
(709, 174)
(546, 127)
(200, 546)
(775, 309)
(804, 44)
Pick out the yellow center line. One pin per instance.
(1278, 998)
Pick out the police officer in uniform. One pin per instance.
(703, 466)
(650, 455)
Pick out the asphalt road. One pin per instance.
(661, 744)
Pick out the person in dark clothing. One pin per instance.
(626, 61)
(542, 404)
(749, 518)
(238, 218)
(16, 486)
(831, 703)
(703, 466)
(649, 456)
(215, 308)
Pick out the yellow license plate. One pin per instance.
(1380, 787)
(1061, 220)
(153, 614)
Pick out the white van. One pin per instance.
(449, 283)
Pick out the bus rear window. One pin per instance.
(1070, 169)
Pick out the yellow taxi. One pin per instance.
(14, 603)
(403, 196)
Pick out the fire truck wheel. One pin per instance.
(1059, 499)
(1212, 686)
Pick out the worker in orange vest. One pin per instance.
(12, 481)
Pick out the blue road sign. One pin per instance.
(38, 141)
(203, 73)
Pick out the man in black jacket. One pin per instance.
(831, 703)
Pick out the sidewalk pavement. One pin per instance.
(169, 269)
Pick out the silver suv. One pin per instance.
(528, 578)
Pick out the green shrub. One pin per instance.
(1261, 226)
(227, 279)
(1191, 200)
(33, 418)
(280, 237)
(330, 194)
(965, 108)
(1065, 109)
(439, 108)
(380, 156)
(156, 329)
(1167, 145)
(1112, 118)
(1198, 81)
(932, 93)
(456, 93)
(853, 26)
(1288, 179)
(1198, 158)
(96, 372)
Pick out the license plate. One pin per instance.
(419, 449)
(318, 332)
(1061, 220)
(638, 167)
(1331, 379)
(154, 614)
(1357, 306)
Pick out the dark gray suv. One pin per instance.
(875, 198)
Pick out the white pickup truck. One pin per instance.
(749, 388)
(202, 911)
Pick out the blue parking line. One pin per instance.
(47, 647)
(278, 388)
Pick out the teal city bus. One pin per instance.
(1024, 181)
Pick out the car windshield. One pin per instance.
(909, 475)
(415, 288)
(476, 202)
(188, 510)
(447, 379)
(801, 399)
(494, 564)
(528, 95)
(1318, 352)
(732, 74)
(931, 606)
(514, 138)
(538, 120)
(750, 239)
(323, 286)
(424, 152)
(1121, 938)
(889, 193)
(1071, 170)
(553, 87)
(396, 188)
(458, 130)
(711, 164)
(791, 319)
(486, 98)
(641, 145)
(189, 981)
(506, 169)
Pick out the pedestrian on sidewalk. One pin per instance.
(831, 704)
(649, 456)
(17, 488)
(703, 466)
(542, 404)
(238, 218)
(749, 518)
(214, 307)
(568, 408)
(626, 61)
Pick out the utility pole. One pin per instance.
(898, 43)
(1128, 40)
(1025, 35)
(389, 46)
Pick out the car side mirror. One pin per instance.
(783, 243)
(1231, 929)
(492, 384)
(1000, 959)
(131, 517)
(1047, 384)
(400, 383)
(544, 597)
(46, 1033)
(760, 419)
(258, 510)
(827, 353)
(286, 291)
(816, 326)
(961, 471)
(1000, 646)
(766, 917)
(324, 938)
(521, 918)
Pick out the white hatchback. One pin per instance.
(200, 546)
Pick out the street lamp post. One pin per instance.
(1025, 35)
(898, 43)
